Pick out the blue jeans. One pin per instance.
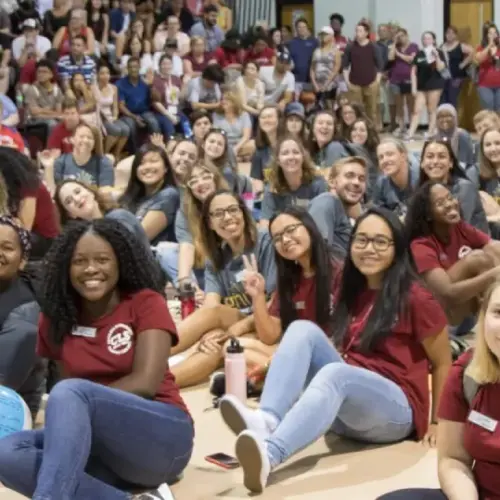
(168, 257)
(490, 98)
(168, 128)
(151, 124)
(451, 91)
(97, 442)
(463, 328)
(350, 401)
(414, 494)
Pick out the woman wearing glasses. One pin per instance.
(369, 380)
(457, 261)
(202, 180)
(292, 180)
(227, 233)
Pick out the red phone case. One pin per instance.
(222, 464)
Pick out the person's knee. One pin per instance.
(9, 446)
(479, 261)
(64, 390)
(332, 374)
(304, 331)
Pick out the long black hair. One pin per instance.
(392, 298)
(136, 191)
(323, 261)
(20, 175)
(419, 218)
(136, 266)
(456, 171)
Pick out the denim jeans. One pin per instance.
(168, 129)
(414, 494)
(151, 124)
(451, 91)
(168, 257)
(97, 443)
(350, 401)
(490, 98)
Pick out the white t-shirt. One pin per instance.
(274, 88)
(42, 45)
(177, 68)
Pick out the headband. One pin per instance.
(22, 233)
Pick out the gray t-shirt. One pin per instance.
(234, 131)
(274, 203)
(98, 171)
(238, 183)
(166, 201)
(182, 231)
(228, 281)
(331, 219)
(197, 92)
(129, 220)
(276, 87)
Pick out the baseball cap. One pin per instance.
(327, 30)
(30, 23)
(284, 57)
(295, 109)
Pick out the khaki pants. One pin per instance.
(367, 96)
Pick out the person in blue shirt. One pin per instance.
(10, 116)
(301, 49)
(134, 95)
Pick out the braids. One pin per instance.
(136, 266)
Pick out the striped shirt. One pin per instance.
(67, 67)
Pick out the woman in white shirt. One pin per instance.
(251, 88)
(137, 47)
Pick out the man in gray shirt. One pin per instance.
(204, 91)
(207, 28)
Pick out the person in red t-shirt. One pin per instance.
(469, 411)
(457, 261)
(261, 53)
(488, 58)
(373, 385)
(230, 55)
(118, 411)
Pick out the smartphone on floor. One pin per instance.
(223, 460)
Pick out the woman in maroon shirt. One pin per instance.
(372, 384)
(197, 59)
(118, 414)
(469, 434)
(457, 261)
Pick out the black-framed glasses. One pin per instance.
(380, 243)
(194, 181)
(231, 210)
(288, 231)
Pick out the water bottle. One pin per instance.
(235, 369)
(19, 99)
(187, 299)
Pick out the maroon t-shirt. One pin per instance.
(430, 253)
(59, 138)
(109, 354)
(263, 58)
(198, 67)
(400, 357)
(45, 223)
(481, 444)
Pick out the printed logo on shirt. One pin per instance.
(7, 141)
(120, 339)
(464, 251)
(82, 176)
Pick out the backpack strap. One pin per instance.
(470, 387)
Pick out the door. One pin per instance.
(290, 14)
(469, 16)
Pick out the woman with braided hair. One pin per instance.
(117, 422)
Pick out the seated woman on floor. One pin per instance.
(439, 164)
(468, 459)
(227, 233)
(457, 261)
(293, 180)
(368, 380)
(20, 368)
(117, 422)
(152, 194)
(202, 181)
(77, 200)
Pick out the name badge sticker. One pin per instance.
(482, 421)
(240, 276)
(85, 331)
(300, 305)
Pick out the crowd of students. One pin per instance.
(344, 262)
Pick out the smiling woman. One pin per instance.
(105, 321)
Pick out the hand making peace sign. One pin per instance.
(253, 281)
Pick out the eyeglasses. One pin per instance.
(380, 243)
(194, 181)
(288, 231)
(231, 210)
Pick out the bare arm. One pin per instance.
(268, 327)
(185, 262)
(154, 222)
(27, 212)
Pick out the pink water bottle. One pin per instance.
(235, 368)
(187, 299)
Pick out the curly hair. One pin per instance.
(277, 181)
(373, 139)
(59, 301)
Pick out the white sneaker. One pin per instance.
(251, 452)
(161, 493)
(238, 417)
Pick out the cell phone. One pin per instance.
(223, 460)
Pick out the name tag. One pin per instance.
(300, 305)
(482, 421)
(172, 110)
(84, 331)
(240, 276)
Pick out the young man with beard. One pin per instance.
(347, 181)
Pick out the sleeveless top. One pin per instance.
(455, 58)
(105, 103)
(97, 27)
